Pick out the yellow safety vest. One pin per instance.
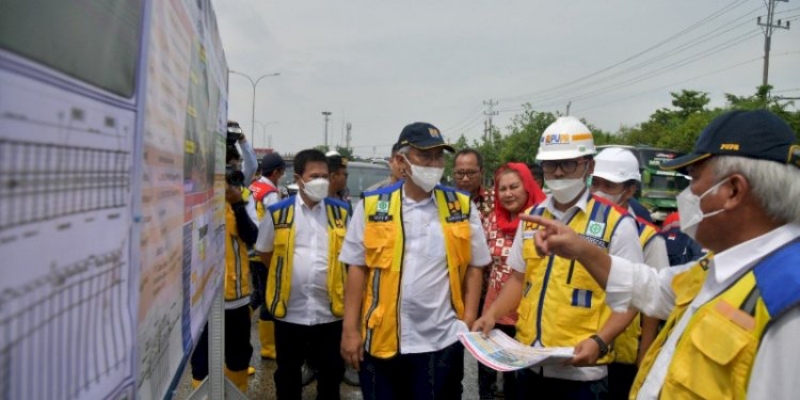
(384, 248)
(626, 345)
(237, 265)
(714, 356)
(575, 303)
(279, 276)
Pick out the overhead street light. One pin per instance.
(254, 83)
(264, 126)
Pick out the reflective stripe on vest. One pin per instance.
(714, 356)
(575, 303)
(384, 248)
(279, 275)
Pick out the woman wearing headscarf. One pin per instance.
(515, 191)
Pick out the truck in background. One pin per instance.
(659, 188)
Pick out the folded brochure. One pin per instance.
(502, 353)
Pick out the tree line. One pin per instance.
(675, 128)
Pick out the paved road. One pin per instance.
(262, 385)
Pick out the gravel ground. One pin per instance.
(262, 385)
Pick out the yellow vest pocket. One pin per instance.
(379, 244)
(710, 371)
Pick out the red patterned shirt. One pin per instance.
(499, 272)
(484, 200)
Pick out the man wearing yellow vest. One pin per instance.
(559, 305)
(265, 193)
(300, 239)
(240, 232)
(733, 318)
(416, 251)
(616, 178)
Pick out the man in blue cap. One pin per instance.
(733, 317)
(415, 251)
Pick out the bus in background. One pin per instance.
(659, 188)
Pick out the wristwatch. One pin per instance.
(602, 344)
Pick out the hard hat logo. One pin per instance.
(564, 139)
(434, 132)
(794, 155)
(557, 139)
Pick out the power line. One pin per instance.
(691, 28)
(680, 63)
(461, 121)
(651, 74)
(557, 93)
(769, 28)
(669, 53)
(750, 61)
(489, 113)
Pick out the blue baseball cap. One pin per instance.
(758, 134)
(423, 136)
(271, 162)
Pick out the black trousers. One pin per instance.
(237, 344)
(531, 385)
(435, 375)
(620, 380)
(318, 344)
(258, 279)
(487, 377)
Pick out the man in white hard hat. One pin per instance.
(616, 177)
(559, 303)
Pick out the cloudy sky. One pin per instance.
(380, 65)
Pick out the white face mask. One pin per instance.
(690, 212)
(425, 177)
(316, 189)
(614, 198)
(565, 190)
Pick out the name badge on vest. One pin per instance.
(457, 218)
(380, 217)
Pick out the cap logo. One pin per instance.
(729, 146)
(557, 139)
(794, 155)
(434, 132)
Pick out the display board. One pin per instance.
(112, 118)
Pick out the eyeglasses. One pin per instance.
(567, 166)
(468, 174)
(430, 157)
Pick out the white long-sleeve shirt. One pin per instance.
(777, 362)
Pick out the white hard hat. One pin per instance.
(564, 139)
(617, 165)
(332, 153)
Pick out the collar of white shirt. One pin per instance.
(410, 202)
(731, 261)
(549, 204)
(300, 203)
